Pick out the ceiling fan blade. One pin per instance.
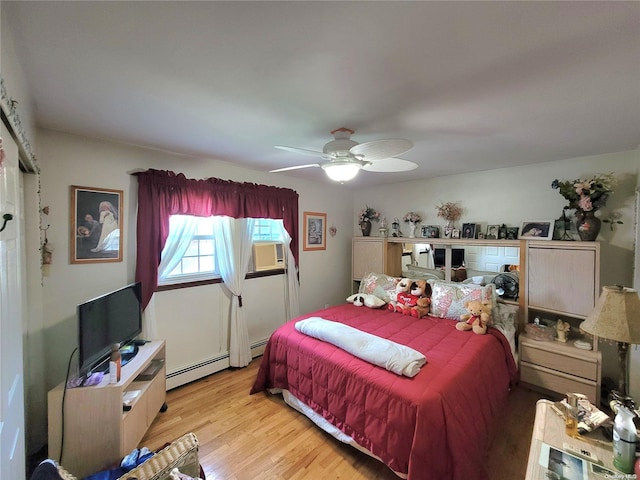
(285, 169)
(302, 151)
(389, 165)
(381, 149)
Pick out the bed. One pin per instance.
(435, 425)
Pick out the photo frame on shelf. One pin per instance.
(468, 230)
(96, 225)
(315, 231)
(455, 233)
(541, 230)
(493, 232)
(512, 233)
(431, 231)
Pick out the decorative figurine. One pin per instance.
(562, 328)
(395, 228)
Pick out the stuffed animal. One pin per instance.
(403, 286)
(423, 304)
(366, 299)
(477, 318)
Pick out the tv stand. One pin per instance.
(97, 431)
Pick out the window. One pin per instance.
(189, 253)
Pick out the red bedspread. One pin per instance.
(436, 425)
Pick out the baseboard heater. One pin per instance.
(207, 367)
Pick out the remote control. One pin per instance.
(580, 452)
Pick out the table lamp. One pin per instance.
(616, 317)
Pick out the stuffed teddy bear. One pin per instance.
(403, 286)
(477, 318)
(423, 304)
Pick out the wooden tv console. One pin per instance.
(98, 432)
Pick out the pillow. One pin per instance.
(380, 285)
(479, 277)
(448, 299)
(371, 301)
(416, 273)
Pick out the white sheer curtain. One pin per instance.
(233, 242)
(182, 228)
(292, 292)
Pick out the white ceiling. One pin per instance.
(474, 85)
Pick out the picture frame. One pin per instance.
(493, 232)
(468, 230)
(540, 230)
(512, 233)
(315, 231)
(431, 231)
(96, 226)
(455, 233)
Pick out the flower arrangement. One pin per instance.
(369, 214)
(412, 217)
(450, 211)
(586, 195)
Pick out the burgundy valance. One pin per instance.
(163, 193)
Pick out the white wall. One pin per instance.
(192, 320)
(514, 195)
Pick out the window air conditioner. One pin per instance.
(268, 256)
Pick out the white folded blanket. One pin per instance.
(396, 358)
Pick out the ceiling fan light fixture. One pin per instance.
(341, 171)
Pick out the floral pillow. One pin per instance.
(448, 299)
(380, 285)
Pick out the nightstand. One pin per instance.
(560, 367)
(549, 429)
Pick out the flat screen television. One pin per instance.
(115, 317)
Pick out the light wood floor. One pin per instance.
(248, 437)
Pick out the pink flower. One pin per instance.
(585, 204)
(583, 185)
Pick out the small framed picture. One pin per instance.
(492, 232)
(480, 236)
(512, 233)
(315, 231)
(431, 231)
(96, 225)
(468, 230)
(541, 229)
(455, 233)
(502, 232)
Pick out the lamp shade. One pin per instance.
(616, 315)
(342, 171)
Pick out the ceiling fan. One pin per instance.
(345, 157)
